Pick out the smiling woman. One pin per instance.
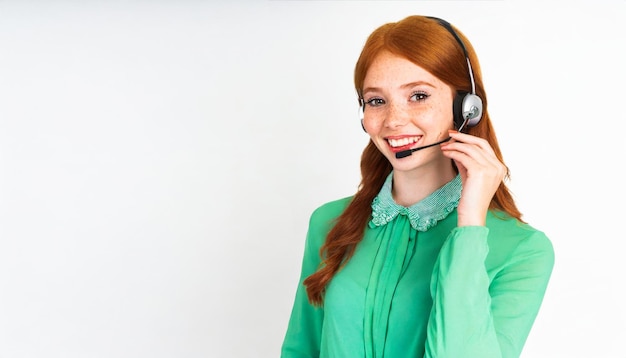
(430, 258)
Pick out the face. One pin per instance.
(406, 107)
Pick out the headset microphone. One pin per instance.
(406, 153)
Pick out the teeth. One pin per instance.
(402, 141)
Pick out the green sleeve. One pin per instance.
(303, 337)
(476, 317)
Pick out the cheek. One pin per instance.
(444, 115)
(371, 127)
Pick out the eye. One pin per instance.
(375, 102)
(419, 96)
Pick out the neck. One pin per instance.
(411, 187)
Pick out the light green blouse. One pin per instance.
(418, 286)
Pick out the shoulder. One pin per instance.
(326, 213)
(324, 217)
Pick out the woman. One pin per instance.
(430, 258)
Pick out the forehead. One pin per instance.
(390, 70)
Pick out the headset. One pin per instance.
(467, 107)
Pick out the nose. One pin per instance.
(396, 116)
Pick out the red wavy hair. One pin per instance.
(425, 42)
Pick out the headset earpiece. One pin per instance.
(362, 113)
(467, 108)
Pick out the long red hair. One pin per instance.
(425, 42)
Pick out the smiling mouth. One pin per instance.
(402, 143)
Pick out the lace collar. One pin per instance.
(422, 215)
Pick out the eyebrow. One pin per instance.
(404, 86)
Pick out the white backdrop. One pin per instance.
(159, 162)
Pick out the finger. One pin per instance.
(474, 158)
(470, 139)
(473, 151)
(473, 146)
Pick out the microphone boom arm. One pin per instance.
(406, 153)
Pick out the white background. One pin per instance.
(159, 162)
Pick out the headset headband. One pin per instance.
(450, 29)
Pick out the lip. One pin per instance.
(403, 147)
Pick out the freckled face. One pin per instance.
(406, 107)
